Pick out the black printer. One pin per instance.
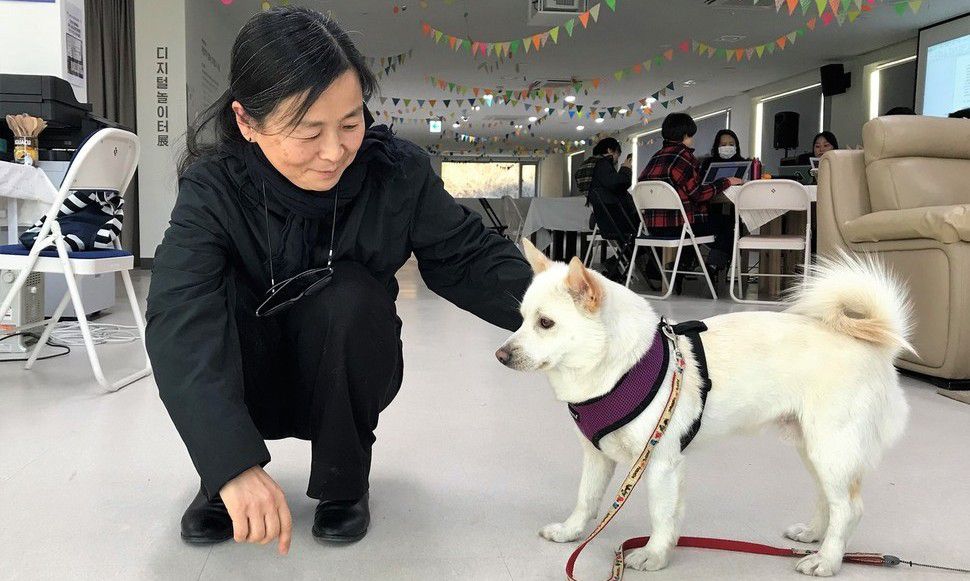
(52, 99)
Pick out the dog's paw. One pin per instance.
(803, 533)
(818, 566)
(560, 533)
(647, 560)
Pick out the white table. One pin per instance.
(755, 219)
(29, 194)
(555, 214)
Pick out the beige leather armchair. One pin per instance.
(906, 197)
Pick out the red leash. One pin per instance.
(875, 559)
(758, 549)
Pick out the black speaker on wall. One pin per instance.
(835, 81)
(786, 130)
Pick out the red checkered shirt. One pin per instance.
(675, 164)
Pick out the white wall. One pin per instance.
(158, 26)
(851, 110)
(198, 35)
(210, 30)
(34, 40)
(553, 181)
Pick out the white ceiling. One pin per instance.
(636, 31)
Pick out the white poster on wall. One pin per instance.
(73, 18)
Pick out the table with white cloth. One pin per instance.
(28, 192)
(770, 224)
(557, 215)
(755, 219)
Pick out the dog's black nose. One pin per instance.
(503, 356)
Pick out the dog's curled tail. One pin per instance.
(859, 296)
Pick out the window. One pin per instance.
(892, 85)
(492, 179)
(808, 102)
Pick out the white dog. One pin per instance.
(822, 370)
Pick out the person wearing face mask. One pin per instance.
(675, 164)
(271, 310)
(726, 148)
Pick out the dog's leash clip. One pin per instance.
(668, 331)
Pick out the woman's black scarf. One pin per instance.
(308, 213)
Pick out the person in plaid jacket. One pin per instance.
(675, 164)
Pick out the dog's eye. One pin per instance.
(546, 323)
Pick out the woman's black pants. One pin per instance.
(322, 371)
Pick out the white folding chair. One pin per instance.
(761, 195)
(593, 239)
(656, 195)
(514, 218)
(106, 161)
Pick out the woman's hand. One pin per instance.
(258, 509)
(735, 181)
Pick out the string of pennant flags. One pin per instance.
(847, 13)
(837, 7)
(507, 48)
(384, 66)
(574, 110)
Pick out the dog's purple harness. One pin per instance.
(635, 391)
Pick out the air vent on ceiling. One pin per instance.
(505, 118)
(551, 12)
(745, 5)
(555, 84)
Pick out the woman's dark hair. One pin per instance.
(717, 143)
(829, 136)
(279, 53)
(606, 145)
(677, 126)
(961, 114)
(900, 111)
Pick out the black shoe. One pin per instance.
(341, 521)
(206, 522)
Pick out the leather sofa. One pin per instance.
(906, 198)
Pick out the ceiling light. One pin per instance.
(548, 109)
(651, 100)
(570, 98)
(533, 119)
(580, 127)
(623, 111)
(478, 107)
(582, 142)
(456, 125)
(599, 119)
(690, 83)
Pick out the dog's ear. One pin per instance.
(537, 259)
(583, 286)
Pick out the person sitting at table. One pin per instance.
(599, 174)
(675, 164)
(606, 189)
(822, 143)
(726, 148)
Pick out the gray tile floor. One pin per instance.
(471, 460)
